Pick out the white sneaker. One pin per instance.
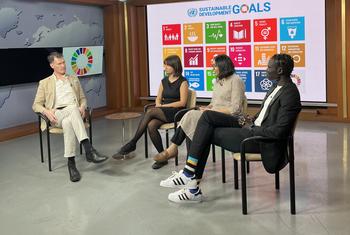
(176, 180)
(185, 196)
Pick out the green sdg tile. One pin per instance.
(210, 79)
(215, 32)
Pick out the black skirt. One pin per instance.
(170, 112)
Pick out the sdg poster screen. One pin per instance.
(250, 32)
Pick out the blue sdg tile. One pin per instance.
(195, 79)
(246, 76)
(262, 84)
(292, 29)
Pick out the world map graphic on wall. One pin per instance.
(41, 24)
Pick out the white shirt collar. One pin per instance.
(54, 76)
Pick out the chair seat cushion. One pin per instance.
(167, 126)
(248, 156)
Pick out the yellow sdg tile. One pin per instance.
(193, 33)
(167, 51)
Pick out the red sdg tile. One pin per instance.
(239, 31)
(171, 34)
(265, 30)
(193, 56)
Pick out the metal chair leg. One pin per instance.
(248, 167)
(292, 177)
(277, 180)
(90, 131)
(235, 173)
(167, 138)
(223, 165)
(41, 141)
(48, 147)
(213, 149)
(146, 145)
(244, 187)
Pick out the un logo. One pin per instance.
(192, 12)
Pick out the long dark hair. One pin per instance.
(225, 65)
(174, 62)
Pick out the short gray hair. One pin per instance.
(51, 57)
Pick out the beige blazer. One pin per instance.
(46, 94)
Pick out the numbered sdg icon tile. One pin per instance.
(241, 55)
(171, 34)
(262, 83)
(211, 52)
(297, 51)
(265, 30)
(292, 29)
(246, 76)
(215, 32)
(193, 57)
(193, 33)
(211, 79)
(167, 51)
(195, 79)
(239, 31)
(262, 54)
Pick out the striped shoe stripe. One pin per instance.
(183, 183)
(185, 195)
(178, 182)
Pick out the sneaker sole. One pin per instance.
(186, 201)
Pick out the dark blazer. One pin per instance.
(277, 123)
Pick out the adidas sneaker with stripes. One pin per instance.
(176, 180)
(186, 196)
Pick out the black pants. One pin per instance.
(205, 134)
(179, 137)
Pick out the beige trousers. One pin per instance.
(69, 119)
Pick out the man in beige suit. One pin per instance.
(61, 99)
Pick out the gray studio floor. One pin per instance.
(124, 197)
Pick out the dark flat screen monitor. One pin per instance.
(24, 65)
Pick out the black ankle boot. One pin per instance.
(95, 157)
(73, 172)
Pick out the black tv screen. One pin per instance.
(25, 65)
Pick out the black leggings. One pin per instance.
(151, 120)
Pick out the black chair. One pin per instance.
(56, 130)
(191, 104)
(245, 157)
(223, 166)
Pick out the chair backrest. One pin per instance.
(294, 125)
(191, 99)
(245, 105)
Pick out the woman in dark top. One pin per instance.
(171, 97)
